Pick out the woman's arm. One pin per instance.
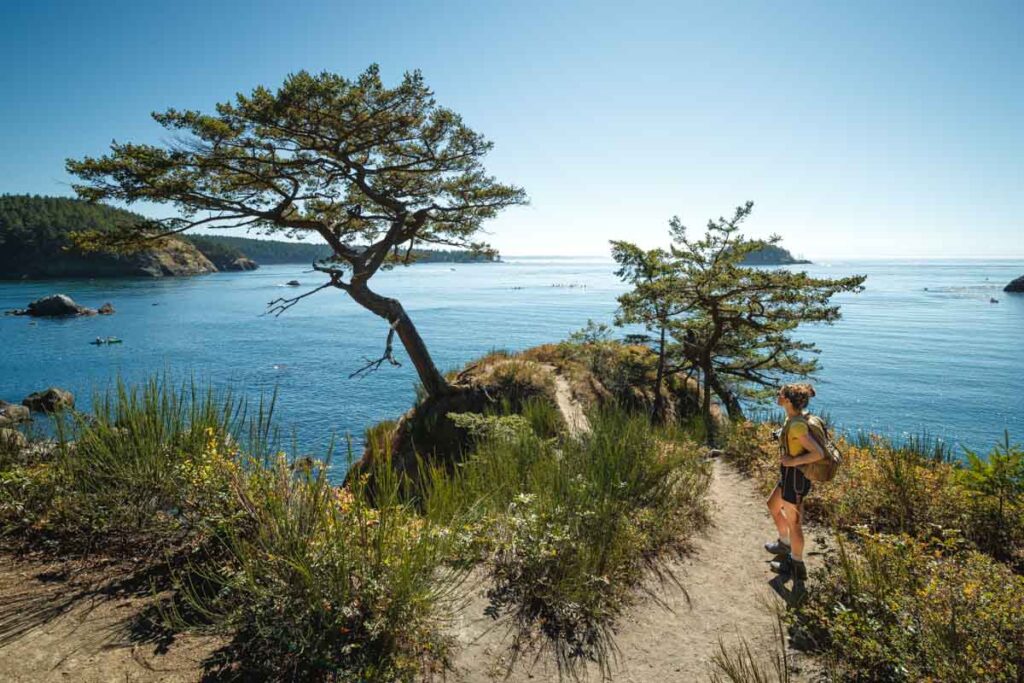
(814, 452)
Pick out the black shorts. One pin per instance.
(795, 486)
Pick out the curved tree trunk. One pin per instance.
(709, 420)
(732, 403)
(391, 310)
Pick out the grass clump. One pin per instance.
(147, 466)
(904, 609)
(316, 584)
(571, 526)
(308, 581)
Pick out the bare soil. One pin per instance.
(72, 621)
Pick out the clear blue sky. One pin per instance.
(890, 129)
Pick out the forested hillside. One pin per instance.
(35, 242)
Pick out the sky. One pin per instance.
(860, 130)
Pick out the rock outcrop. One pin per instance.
(53, 306)
(60, 306)
(1015, 287)
(241, 263)
(50, 400)
(12, 440)
(11, 414)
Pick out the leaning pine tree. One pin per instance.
(373, 171)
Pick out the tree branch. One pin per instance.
(388, 356)
(282, 304)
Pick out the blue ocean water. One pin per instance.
(921, 350)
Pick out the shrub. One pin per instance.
(317, 584)
(995, 490)
(903, 609)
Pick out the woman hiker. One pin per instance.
(797, 447)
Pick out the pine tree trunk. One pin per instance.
(391, 310)
(709, 421)
(658, 411)
(732, 403)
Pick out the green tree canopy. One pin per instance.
(732, 323)
(373, 170)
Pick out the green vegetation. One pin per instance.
(317, 584)
(900, 608)
(926, 583)
(730, 323)
(35, 237)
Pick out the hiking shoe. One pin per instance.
(789, 567)
(777, 548)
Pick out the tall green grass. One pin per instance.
(144, 467)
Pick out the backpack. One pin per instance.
(826, 468)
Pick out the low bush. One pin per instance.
(903, 609)
(316, 584)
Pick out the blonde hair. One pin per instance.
(798, 394)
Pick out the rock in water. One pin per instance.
(12, 414)
(106, 309)
(294, 283)
(49, 401)
(55, 306)
(1017, 286)
(12, 440)
(242, 263)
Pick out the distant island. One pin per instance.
(772, 255)
(35, 244)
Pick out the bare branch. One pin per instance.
(388, 356)
(282, 304)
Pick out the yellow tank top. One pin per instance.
(792, 433)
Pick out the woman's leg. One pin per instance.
(794, 518)
(775, 504)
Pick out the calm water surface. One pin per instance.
(904, 359)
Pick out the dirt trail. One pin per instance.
(63, 623)
(570, 408)
(726, 576)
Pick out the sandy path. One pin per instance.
(570, 408)
(61, 624)
(727, 579)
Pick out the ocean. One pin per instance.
(922, 350)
